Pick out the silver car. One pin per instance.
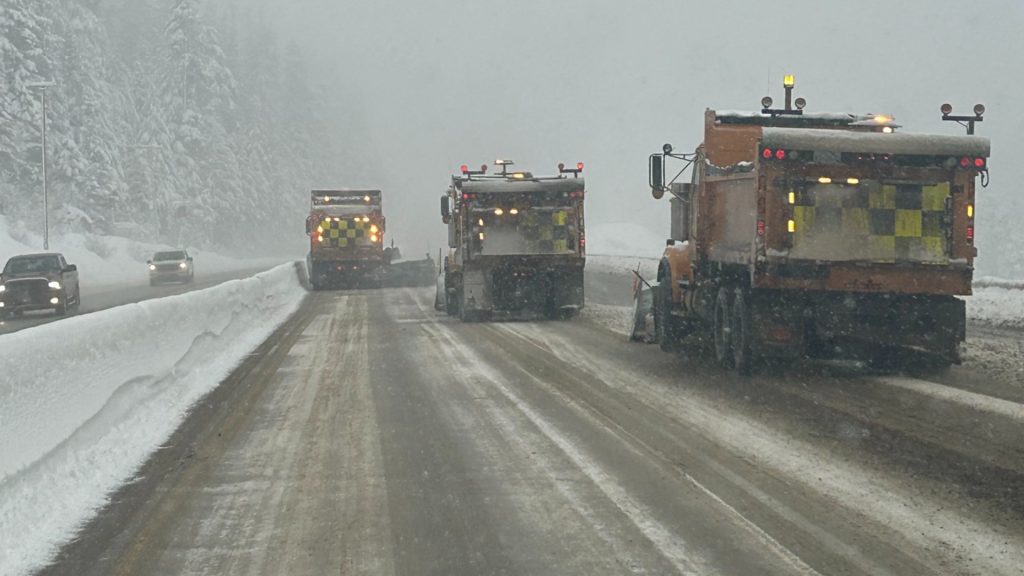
(171, 266)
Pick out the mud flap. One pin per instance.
(475, 293)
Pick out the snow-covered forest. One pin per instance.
(167, 121)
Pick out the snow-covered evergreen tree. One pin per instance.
(159, 123)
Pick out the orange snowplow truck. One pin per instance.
(823, 235)
(346, 239)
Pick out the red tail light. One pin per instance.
(464, 169)
(767, 154)
(970, 233)
(579, 166)
(965, 162)
(979, 162)
(760, 227)
(780, 154)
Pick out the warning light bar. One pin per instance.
(467, 172)
(964, 120)
(576, 171)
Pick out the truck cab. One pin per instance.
(33, 282)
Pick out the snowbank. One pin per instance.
(623, 265)
(79, 414)
(110, 260)
(624, 239)
(1003, 307)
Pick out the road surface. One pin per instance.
(96, 298)
(373, 435)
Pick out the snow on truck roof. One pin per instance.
(807, 116)
(875, 142)
(554, 185)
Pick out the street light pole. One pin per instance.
(42, 86)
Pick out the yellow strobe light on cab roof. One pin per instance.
(788, 81)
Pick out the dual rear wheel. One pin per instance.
(733, 329)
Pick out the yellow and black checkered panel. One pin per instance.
(551, 233)
(341, 233)
(887, 223)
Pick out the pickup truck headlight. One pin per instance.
(55, 285)
(3, 288)
(182, 265)
(152, 267)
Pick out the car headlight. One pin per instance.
(3, 288)
(182, 265)
(55, 285)
(152, 266)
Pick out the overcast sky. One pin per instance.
(466, 81)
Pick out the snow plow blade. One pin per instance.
(642, 329)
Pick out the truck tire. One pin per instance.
(741, 334)
(664, 331)
(721, 325)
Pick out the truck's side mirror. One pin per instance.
(446, 211)
(71, 268)
(656, 175)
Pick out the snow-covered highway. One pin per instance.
(373, 435)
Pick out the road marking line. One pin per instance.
(980, 402)
(777, 547)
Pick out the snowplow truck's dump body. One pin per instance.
(517, 247)
(346, 230)
(822, 234)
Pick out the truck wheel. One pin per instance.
(663, 330)
(61, 309)
(722, 329)
(742, 353)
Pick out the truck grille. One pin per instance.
(29, 291)
(167, 267)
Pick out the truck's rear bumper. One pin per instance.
(864, 278)
(345, 272)
(795, 322)
(518, 286)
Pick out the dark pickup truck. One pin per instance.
(38, 282)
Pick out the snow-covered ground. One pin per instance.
(85, 400)
(623, 239)
(110, 260)
(1003, 307)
